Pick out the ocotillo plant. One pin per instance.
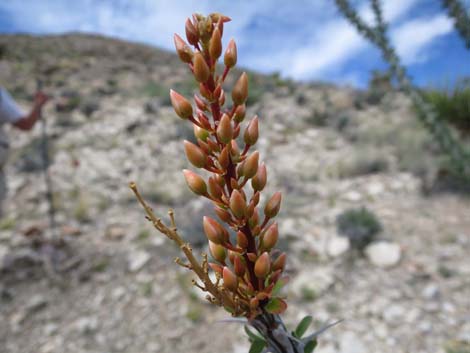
(247, 266)
(377, 34)
(461, 16)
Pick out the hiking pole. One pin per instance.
(47, 177)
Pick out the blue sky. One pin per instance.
(304, 40)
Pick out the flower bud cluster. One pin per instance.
(242, 241)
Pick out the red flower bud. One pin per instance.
(234, 150)
(195, 155)
(230, 280)
(215, 44)
(191, 32)
(214, 147)
(223, 214)
(255, 198)
(250, 167)
(240, 90)
(181, 105)
(225, 130)
(214, 231)
(250, 210)
(201, 69)
(205, 92)
(242, 240)
(200, 103)
(252, 256)
(237, 204)
(224, 157)
(240, 169)
(203, 146)
(254, 219)
(230, 56)
(216, 268)
(256, 230)
(217, 251)
(234, 183)
(240, 113)
(275, 276)
(251, 132)
(182, 49)
(280, 262)
(270, 236)
(263, 265)
(273, 205)
(205, 29)
(232, 255)
(214, 189)
(195, 182)
(239, 266)
(259, 180)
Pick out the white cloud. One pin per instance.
(335, 42)
(414, 37)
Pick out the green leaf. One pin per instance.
(229, 310)
(257, 346)
(276, 306)
(278, 286)
(253, 336)
(303, 326)
(310, 346)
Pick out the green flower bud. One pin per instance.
(217, 251)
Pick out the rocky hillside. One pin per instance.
(115, 287)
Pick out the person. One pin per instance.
(11, 113)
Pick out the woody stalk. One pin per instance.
(247, 266)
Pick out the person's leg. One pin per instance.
(3, 191)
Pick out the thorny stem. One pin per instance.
(461, 16)
(438, 128)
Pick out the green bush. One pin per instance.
(359, 225)
(452, 105)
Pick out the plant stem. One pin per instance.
(274, 332)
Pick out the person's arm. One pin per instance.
(27, 122)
